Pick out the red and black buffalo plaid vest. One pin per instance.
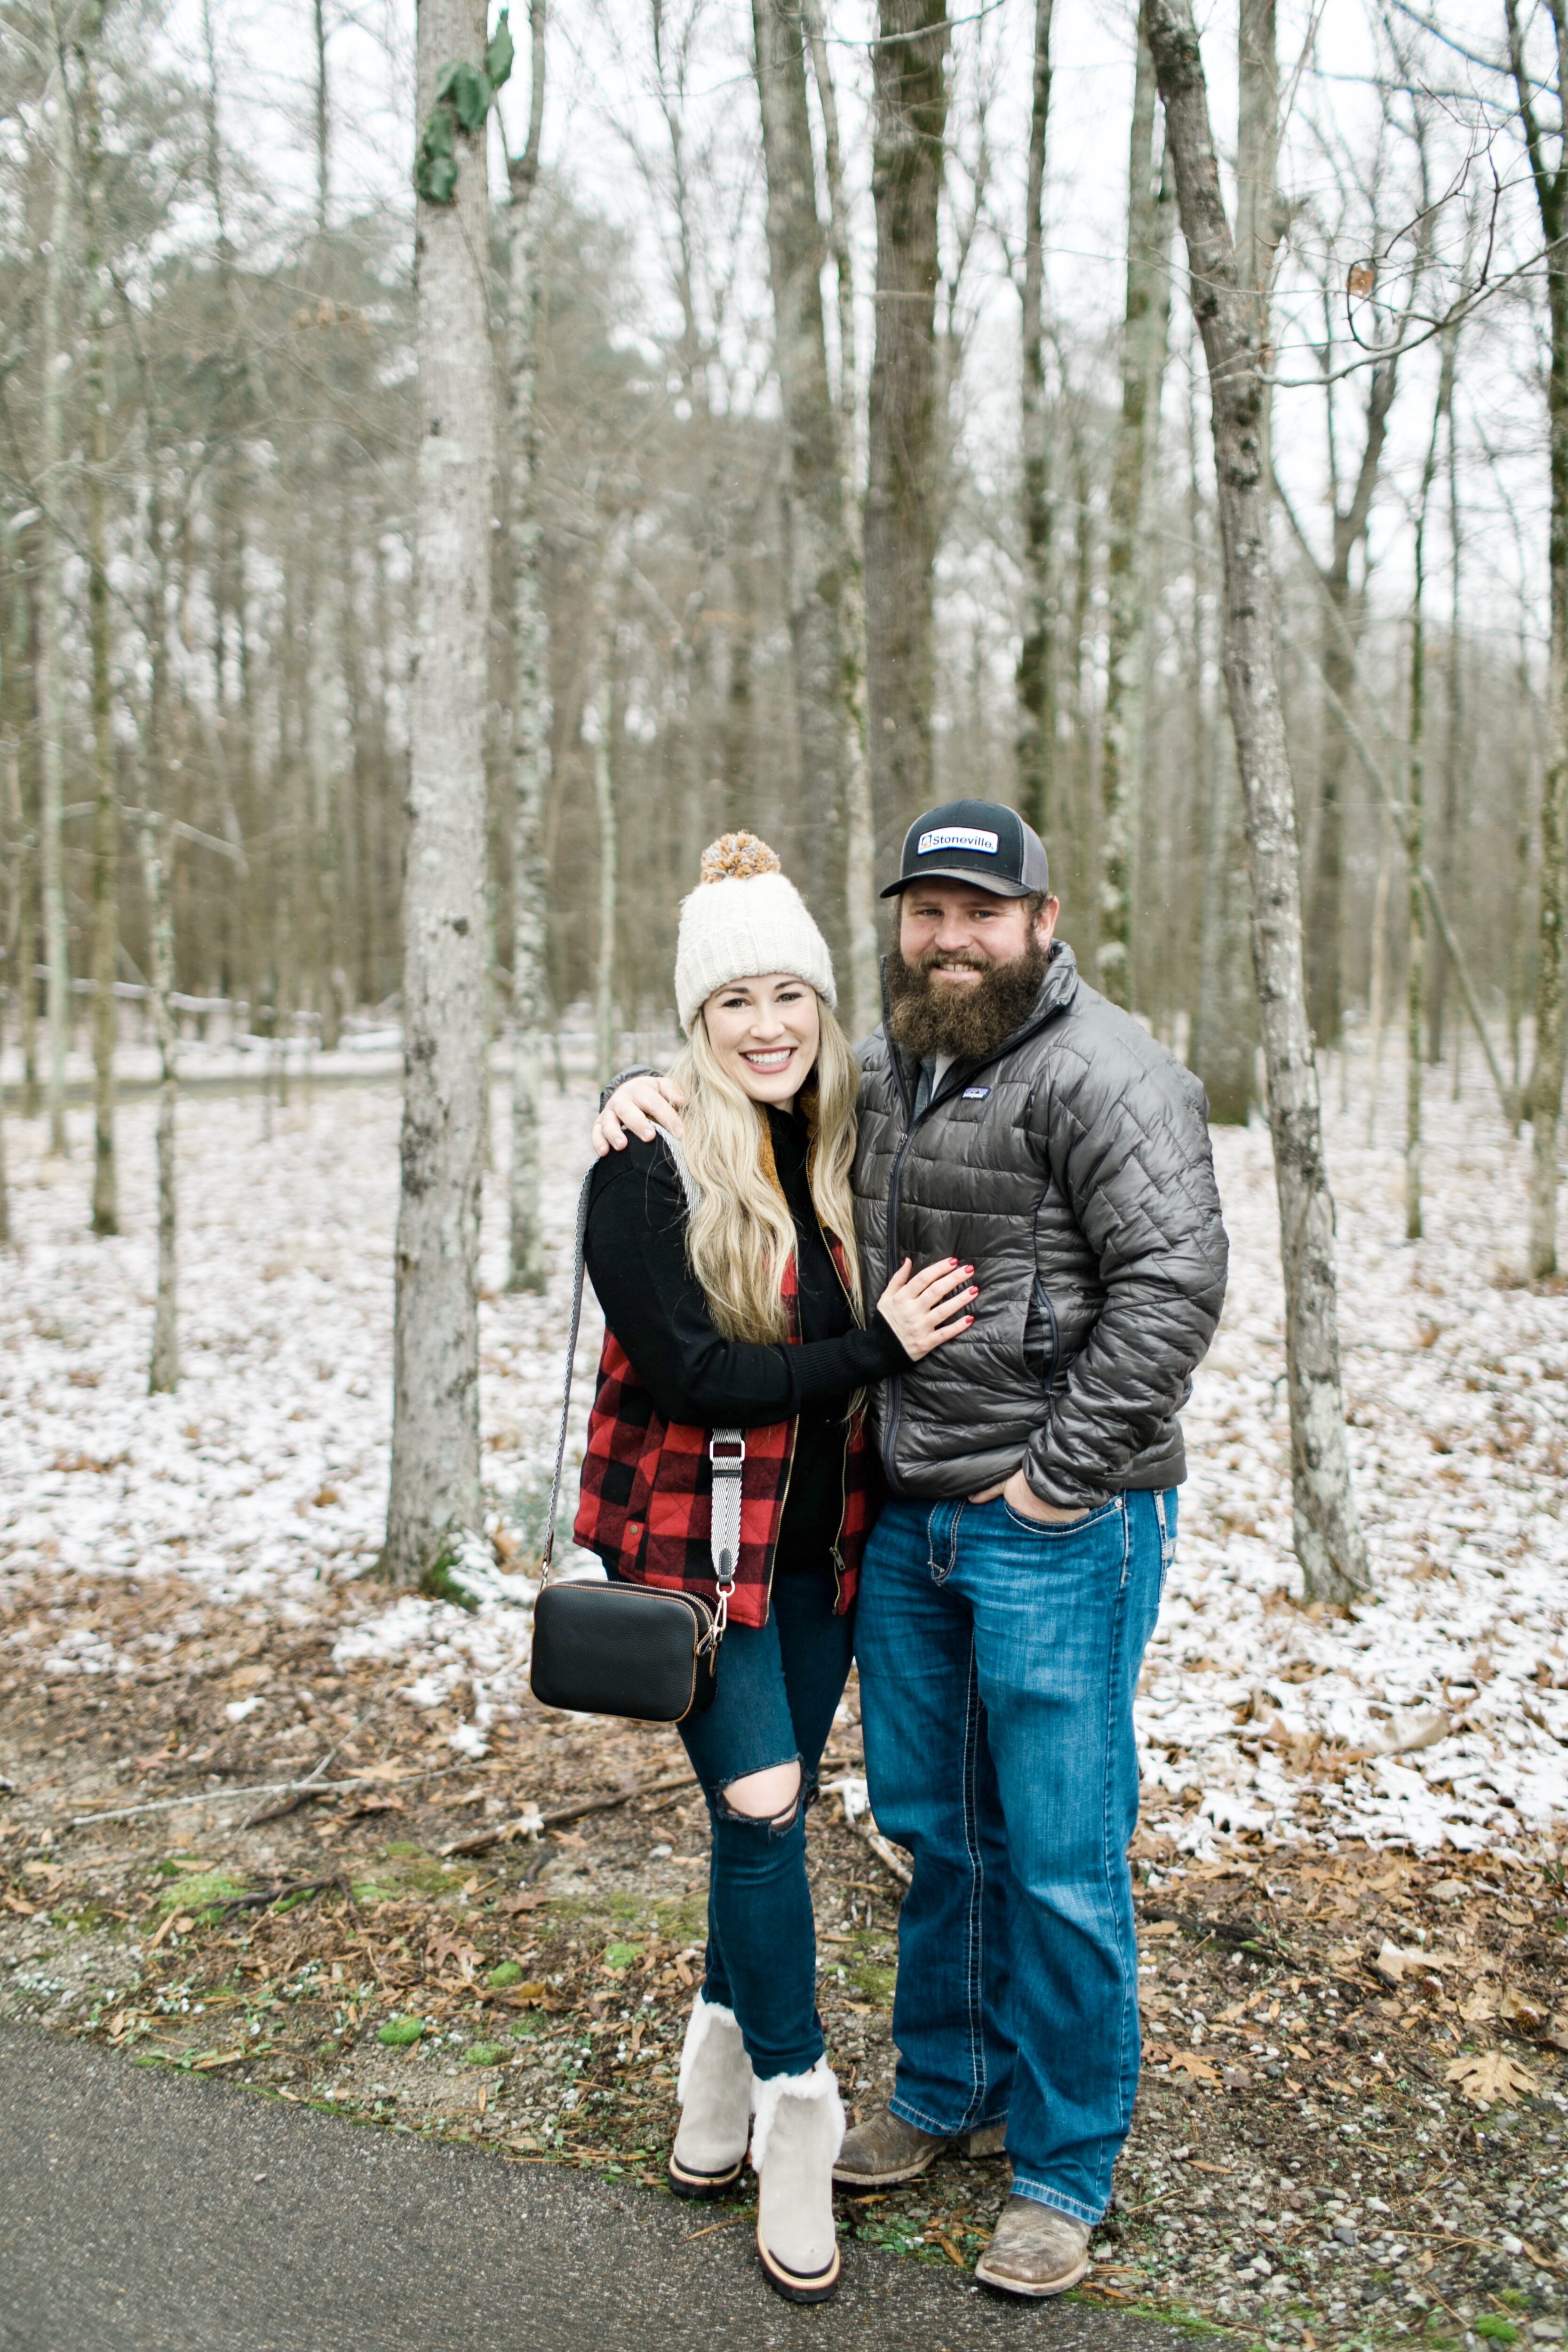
(648, 1486)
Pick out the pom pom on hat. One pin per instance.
(745, 917)
(736, 856)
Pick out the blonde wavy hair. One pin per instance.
(742, 1237)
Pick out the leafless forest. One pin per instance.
(791, 421)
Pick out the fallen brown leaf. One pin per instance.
(1189, 2062)
(1489, 2076)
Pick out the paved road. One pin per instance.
(144, 2212)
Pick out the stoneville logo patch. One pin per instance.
(958, 836)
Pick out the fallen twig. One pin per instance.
(727, 2224)
(477, 1841)
(303, 1794)
(259, 1789)
(866, 1829)
(266, 1896)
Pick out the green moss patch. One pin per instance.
(202, 1894)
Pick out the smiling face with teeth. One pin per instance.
(766, 1032)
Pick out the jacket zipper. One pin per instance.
(970, 1070)
(1044, 1296)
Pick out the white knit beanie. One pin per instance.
(744, 917)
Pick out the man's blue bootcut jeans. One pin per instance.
(998, 1662)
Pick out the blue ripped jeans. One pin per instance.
(998, 1662)
(779, 1685)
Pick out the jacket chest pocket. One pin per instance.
(970, 1107)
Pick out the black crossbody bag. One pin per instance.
(630, 1649)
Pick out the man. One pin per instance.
(1012, 1117)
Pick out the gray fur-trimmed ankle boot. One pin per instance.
(715, 2095)
(797, 2134)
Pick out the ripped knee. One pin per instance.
(771, 1797)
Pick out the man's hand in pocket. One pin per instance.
(1020, 1496)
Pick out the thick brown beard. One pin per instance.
(970, 1023)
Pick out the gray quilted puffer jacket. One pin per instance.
(1073, 1169)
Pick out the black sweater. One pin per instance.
(657, 1310)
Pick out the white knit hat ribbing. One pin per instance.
(744, 917)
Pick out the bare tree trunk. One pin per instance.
(1329, 1540)
(813, 485)
(1523, 833)
(1257, 176)
(1452, 874)
(1143, 370)
(323, 124)
(1415, 817)
(323, 672)
(604, 808)
(164, 1367)
(52, 694)
(1224, 1045)
(26, 871)
(323, 777)
(19, 733)
(531, 693)
(903, 498)
(435, 1490)
(1223, 1049)
(1375, 1007)
(1326, 890)
(11, 807)
(106, 810)
(859, 828)
(1036, 672)
(1546, 1078)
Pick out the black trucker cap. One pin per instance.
(974, 840)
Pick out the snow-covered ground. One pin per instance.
(1437, 1711)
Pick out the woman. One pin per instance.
(743, 1310)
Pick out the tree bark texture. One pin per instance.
(604, 807)
(1325, 901)
(1257, 172)
(1035, 678)
(530, 695)
(1224, 1007)
(1225, 1041)
(860, 821)
(164, 1363)
(1415, 817)
(813, 490)
(1143, 334)
(1546, 1077)
(1328, 1536)
(106, 804)
(21, 689)
(51, 695)
(435, 1488)
(902, 498)
(1452, 874)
